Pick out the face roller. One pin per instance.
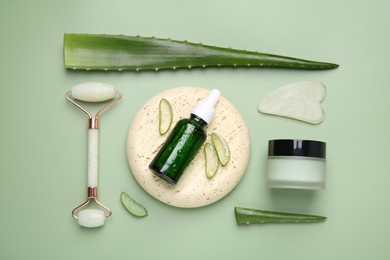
(92, 92)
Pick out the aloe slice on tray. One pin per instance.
(120, 52)
(221, 147)
(212, 161)
(165, 115)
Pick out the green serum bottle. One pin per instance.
(185, 140)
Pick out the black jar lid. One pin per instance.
(297, 147)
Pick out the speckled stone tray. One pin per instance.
(193, 189)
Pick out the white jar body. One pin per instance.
(296, 172)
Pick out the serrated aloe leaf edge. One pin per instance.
(121, 52)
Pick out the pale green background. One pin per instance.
(43, 137)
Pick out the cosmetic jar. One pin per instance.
(296, 164)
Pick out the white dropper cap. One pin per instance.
(205, 108)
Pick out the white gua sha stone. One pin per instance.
(299, 101)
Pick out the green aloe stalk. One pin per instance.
(251, 216)
(119, 52)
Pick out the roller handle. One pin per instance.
(93, 154)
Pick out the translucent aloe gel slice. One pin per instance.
(221, 147)
(165, 115)
(132, 206)
(212, 161)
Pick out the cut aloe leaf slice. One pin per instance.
(132, 206)
(256, 216)
(212, 161)
(221, 147)
(165, 116)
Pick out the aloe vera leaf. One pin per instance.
(252, 216)
(120, 52)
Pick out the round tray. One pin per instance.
(193, 189)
